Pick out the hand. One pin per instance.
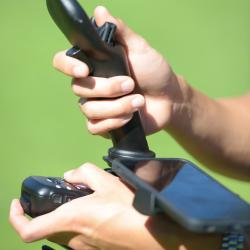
(102, 220)
(105, 219)
(159, 87)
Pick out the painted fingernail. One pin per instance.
(127, 86)
(138, 102)
(79, 71)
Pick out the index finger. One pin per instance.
(38, 228)
(94, 177)
(70, 66)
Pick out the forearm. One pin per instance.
(169, 235)
(216, 132)
(157, 232)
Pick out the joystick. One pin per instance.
(97, 47)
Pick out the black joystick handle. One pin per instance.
(96, 46)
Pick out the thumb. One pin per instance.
(92, 176)
(124, 34)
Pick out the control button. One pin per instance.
(57, 198)
(57, 181)
(58, 186)
(69, 198)
(80, 186)
(49, 180)
(66, 185)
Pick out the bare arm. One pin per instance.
(216, 132)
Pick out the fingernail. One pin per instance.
(127, 86)
(68, 174)
(138, 102)
(79, 71)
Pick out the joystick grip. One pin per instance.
(97, 47)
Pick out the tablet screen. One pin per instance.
(189, 191)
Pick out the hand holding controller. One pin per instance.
(41, 195)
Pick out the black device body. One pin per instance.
(186, 193)
(41, 195)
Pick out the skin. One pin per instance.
(216, 132)
(113, 225)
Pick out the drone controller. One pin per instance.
(41, 195)
(97, 47)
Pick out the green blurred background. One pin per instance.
(42, 131)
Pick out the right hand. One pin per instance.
(160, 89)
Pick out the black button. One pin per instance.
(57, 198)
(69, 198)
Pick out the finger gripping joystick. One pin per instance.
(96, 46)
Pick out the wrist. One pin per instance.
(181, 103)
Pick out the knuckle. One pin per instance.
(82, 168)
(93, 129)
(87, 110)
(76, 89)
(26, 236)
(85, 169)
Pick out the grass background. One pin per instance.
(41, 129)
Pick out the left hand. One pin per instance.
(102, 220)
(106, 219)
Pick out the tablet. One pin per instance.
(184, 192)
